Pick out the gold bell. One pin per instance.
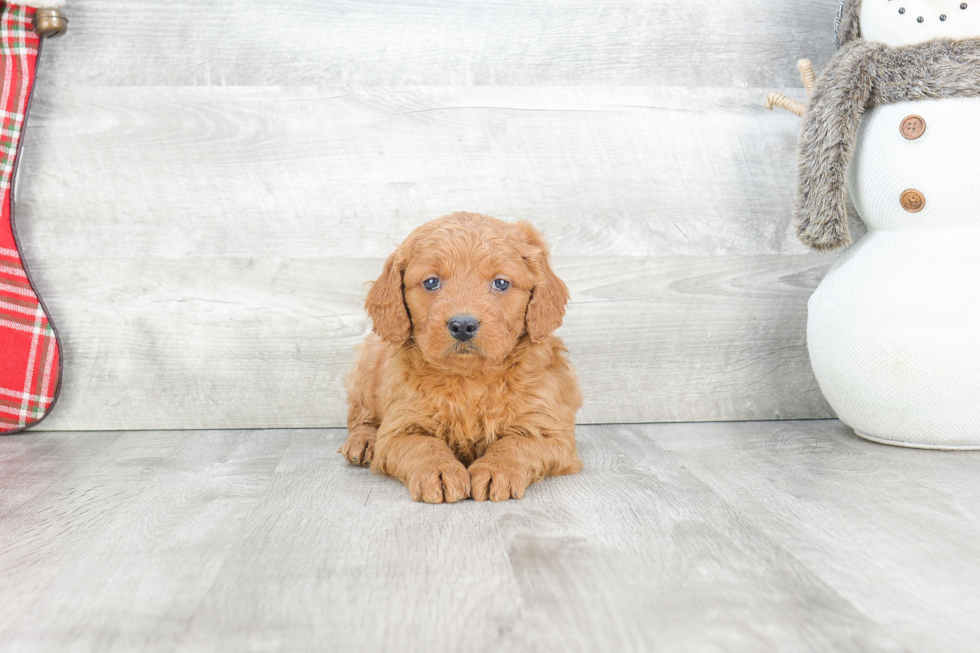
(49, 23)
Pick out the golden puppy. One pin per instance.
(462, 390)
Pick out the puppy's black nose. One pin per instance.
(463, 327)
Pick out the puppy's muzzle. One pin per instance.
(463, 327)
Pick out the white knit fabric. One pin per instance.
(42, 4)
(894, 328)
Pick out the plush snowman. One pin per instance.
(894, 328)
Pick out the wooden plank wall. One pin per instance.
(207, 187)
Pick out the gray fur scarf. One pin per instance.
(863, 75)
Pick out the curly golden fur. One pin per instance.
(453, 418)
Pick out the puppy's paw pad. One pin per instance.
(445, 483)
(497, 482)
(358, 450)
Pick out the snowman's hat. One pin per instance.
(848, 24)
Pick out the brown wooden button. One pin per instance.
(913, 127)
(913, 201)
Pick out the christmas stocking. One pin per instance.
(30, 360)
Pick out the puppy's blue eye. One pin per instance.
(501, 284)
(431, 284)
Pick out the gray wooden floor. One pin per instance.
(764, 536)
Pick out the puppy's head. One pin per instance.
(466, 288)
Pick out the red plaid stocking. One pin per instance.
(30, 361)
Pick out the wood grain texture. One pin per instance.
(206, 188)
(200, 172)
(162, 343)
(889, 529)
(746, 536)
(442, 42)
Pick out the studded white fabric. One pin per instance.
(904, 22)
(894, 328)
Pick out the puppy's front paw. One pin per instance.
(441, 483)
(358, 450)
(497, 481)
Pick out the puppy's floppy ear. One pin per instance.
(550, 294)
(386, 302)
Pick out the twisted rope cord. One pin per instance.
(775, 99)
